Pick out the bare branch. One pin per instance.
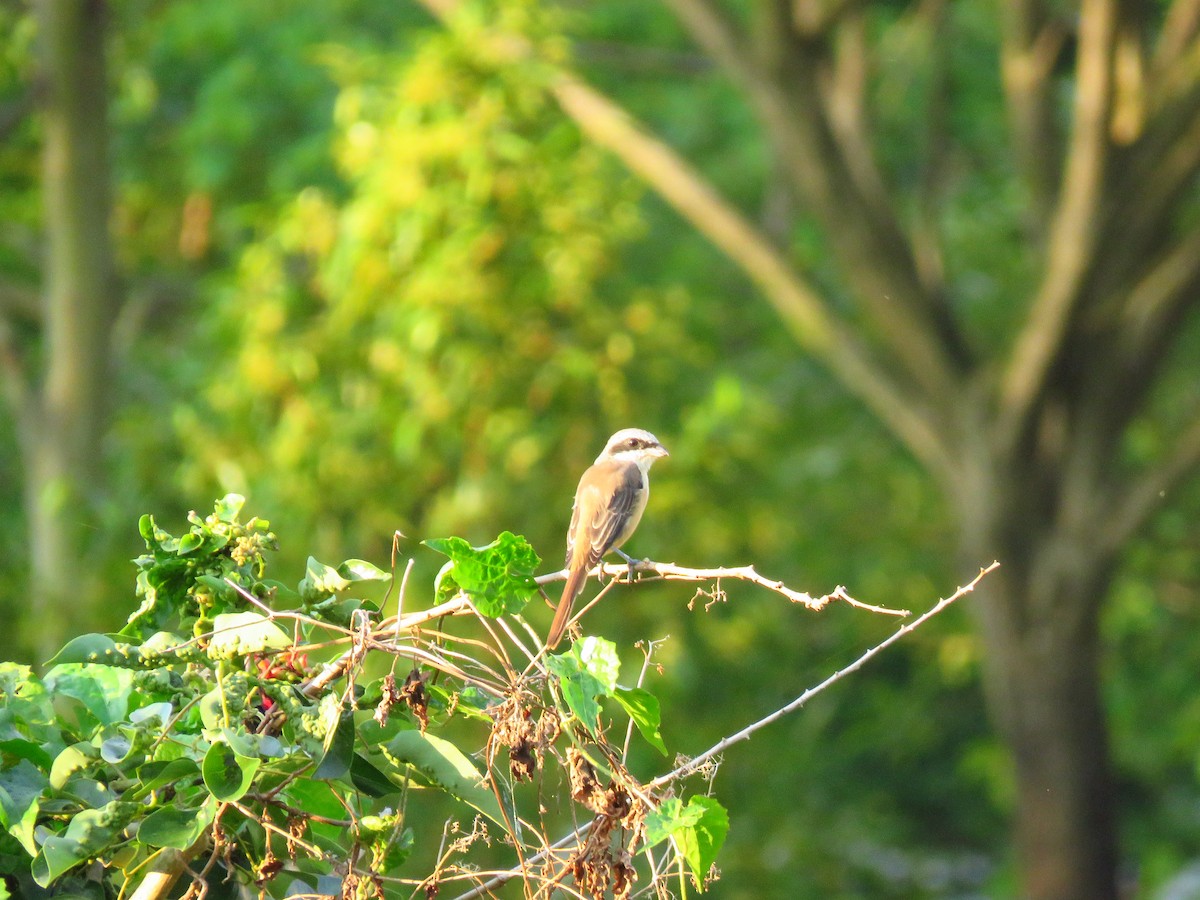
(697, 761)
(1156, 171)
(648, 570)
(1155, 305)
(1130, 75)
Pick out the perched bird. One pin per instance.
(609, 503)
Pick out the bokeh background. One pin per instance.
(356, 261)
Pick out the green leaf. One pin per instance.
(94, 829)
(21, 788)
(643, 709)
(236, 634)
(354, 570)
(339, 749)
(159, 773)
(498, 576)
(116, 748)
(699, 830)
(316, 797)
(585, 672)
(19, 748)
(103, 690)
(57, 855)
(368, 779)
(599, 659)
(78, 757)
(162, 711)
(341, 610)
(171, 826)
(226, 774)
(253, 746)
(321, 581)
(447, 767)
(227, 508)
(146, 530)
(189, 543)
(87, 648)
(90, 832)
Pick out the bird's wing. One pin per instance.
(603, 508)
(600, 516)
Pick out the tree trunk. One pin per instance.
(62, 445)
(1039, 620)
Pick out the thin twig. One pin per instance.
(696, 762)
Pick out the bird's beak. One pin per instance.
(661, 451)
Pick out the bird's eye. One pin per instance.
(635, 443)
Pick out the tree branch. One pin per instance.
(1145, 321)
(1154, 306)
(803, 311)
(1130, 74)
(1031, 43)
(1073, 231)
(785, 85)
(927, 244)
(1178, 35)
(1157, 169)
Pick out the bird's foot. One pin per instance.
(630, 561)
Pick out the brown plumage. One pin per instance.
(609, 503)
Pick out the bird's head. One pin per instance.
(633, 445)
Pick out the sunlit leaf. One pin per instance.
(699, 830)
(236, 634)
(173, 826)
(444, 765)
(643, 708)
(226, 774)
(497, 576)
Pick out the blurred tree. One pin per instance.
(1024, 419)
(59, 395)
(189, 124)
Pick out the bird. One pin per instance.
(609, 503)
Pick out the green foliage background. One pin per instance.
(421, 301)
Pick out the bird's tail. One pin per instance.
(563, 613)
